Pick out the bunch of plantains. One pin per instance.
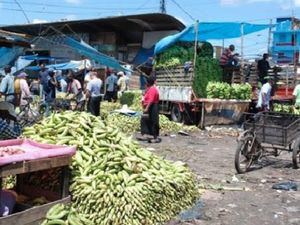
(114, 180)
(64, 215)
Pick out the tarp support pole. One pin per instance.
(269, 37)
(196, 45)
(242, 49)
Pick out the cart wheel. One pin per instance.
(296, 154)
(244, 153)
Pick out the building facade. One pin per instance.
(286, 41)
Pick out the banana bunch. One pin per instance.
(114, 180)
(9, 182)
(126, 124)
(108, 107)
(64, 215)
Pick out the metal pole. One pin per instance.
(242, 49)
(269, 37)
(196, 44)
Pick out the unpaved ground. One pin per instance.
(212, 159)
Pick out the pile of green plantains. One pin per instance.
(114, 180)
(223, 90)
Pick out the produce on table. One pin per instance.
(223, 90)
(114, 180)
(64, 215)
(8, 151)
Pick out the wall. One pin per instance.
(58, 50)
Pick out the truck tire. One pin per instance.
(176, 115)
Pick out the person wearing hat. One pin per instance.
(9, 127)
(24, 92)
(121, 83)
(264, 96)
(7, 86)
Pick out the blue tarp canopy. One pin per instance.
(7, 55)
(209, 31)
(91, 53)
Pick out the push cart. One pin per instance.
(267, 133)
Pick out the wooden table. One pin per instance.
(35, 214)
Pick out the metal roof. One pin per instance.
(124, 25)
(10, 39)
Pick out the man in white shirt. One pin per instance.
(264, 96)
(24, 89)
(93, 93)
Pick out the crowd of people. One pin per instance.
(87, 91)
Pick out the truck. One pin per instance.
(182, 91)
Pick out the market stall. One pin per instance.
(41, 174)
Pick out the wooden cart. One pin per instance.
(34, 215)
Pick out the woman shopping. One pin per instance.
(150, 118)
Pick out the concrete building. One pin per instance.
(286, 41)
(122, 37)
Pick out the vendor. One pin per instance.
(9, 127)
(262, 67)
(264, 96)
(228, 61)
(150, 118)
(296, 94)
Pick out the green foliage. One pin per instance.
(133, 99)
(223, 90)
(206, 70)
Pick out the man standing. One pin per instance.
(93, 93)
(74, 87)
(264, 96)
(7, 86)
(111, 87)
(227, 62)
(121, 83)
(43, 78)
(263, 66)
(24, 90)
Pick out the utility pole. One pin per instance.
(163, 6)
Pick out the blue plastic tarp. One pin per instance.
(209, 31)
(8, 55)
(93, 54)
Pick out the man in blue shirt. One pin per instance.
(111, 87)
(9, 128)
(93, 92)
(7, 86)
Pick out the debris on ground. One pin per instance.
(286, 186)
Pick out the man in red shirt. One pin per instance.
(150, 118)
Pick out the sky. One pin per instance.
(253, 11)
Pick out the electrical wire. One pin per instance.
(183, 10)
(22, 10)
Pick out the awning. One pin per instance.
(209, 31)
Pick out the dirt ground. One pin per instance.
(211, 157)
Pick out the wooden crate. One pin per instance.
(174, 77)
(34, 215)
(31, 216)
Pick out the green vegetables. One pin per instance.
(285, 108)
(114, 180)
(223, 90)
(132, 99)
(64, 215)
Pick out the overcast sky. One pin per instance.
(254, 11)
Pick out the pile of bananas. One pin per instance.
(130, 125)
(9, 182)
(108, 107)
(114, 180)
(64, 215)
